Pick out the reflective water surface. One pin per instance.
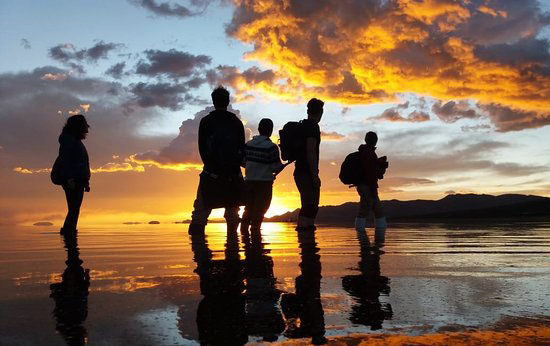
(157, 285)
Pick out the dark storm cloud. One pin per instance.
(503, 21)
(164, 95)
(173, 9)
(117, 70)
(231, 75)
(452, 111)
(527, 51)
(68, 54)
(394, 114)
(34, 109)
(509, 119)
(172, 63)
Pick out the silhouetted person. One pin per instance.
(221, 147)
(306, 171)
(366, 288)
(221, 313)
(263, 314)
(372, 169)
(73, 168)
(71, 296)
(303, 311)
(262, 162)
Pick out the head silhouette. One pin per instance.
(265, 127)
(76, 126)
(315, 109)
(371, 138)
(220, 97)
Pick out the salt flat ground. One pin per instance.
(155, 285)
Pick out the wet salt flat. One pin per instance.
(156, 285)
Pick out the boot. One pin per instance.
(360, 223)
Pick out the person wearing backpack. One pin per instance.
(71, 169)
(262, 164)
(221, 147)
(372, 168)
(306, 171)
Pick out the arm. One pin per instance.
(241, 138)
(311, 156)
(277, 166)
(312, 160)
(203, 150)
(67, 158)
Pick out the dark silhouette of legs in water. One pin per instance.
(263, 314)
(366, 287)
(221, 313)
(71, 296)
(303, 310)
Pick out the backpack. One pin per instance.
(292, 141)
(56, 174)
(350, 170)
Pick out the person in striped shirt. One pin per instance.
(262, 164)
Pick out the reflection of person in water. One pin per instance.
(221, 313)
(303, 311)
(263, 315)
(367, 287)
(71, 296)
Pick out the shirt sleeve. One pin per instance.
(276, 164)
(202, 140)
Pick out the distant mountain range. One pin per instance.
(451, 207)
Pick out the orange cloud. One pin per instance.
(54, 76)
(172, 166)
(110, 167)
(363, 52)
(332, 136)
(488, 10)
(31, 171)
(118, 167)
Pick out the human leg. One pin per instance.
(263, 193)
(74, 199)
(380, 223)
(249, 205)
(309, 197)
(232, 219)
(365, 205)
(199, 216)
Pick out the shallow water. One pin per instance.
(156, 285)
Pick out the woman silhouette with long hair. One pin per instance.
(74, 168)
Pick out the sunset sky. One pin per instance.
(458, 92)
